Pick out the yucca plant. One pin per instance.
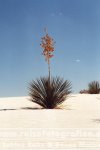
(49, 93)
(94, 87)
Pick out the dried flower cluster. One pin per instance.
(47, 44)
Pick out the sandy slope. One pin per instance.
(82, 111)
(76, 128)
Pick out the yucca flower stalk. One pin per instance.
(47, 44)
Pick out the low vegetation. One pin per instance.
(84, 91)
(49, 93)
(93, 88)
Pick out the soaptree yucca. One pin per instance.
(94, 87)
(49, 94)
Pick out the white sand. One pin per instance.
(82, 112)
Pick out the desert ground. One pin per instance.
(80, 112)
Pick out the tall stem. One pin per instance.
(49, 69)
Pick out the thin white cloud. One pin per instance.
(60, 13)
(56, 14)
(77, 60)
(52, 14)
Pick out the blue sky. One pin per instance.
(74, 25)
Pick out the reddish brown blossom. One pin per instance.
(47, 44)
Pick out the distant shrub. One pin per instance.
(84, 91)
(94, 87)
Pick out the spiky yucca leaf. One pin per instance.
(94, 87)
(49, 93)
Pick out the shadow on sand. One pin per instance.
(7, 109)
(34, 108)
(23, 108)
(96, 120)
(30, 108)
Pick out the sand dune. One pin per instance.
(81, 111)
(77, 126)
